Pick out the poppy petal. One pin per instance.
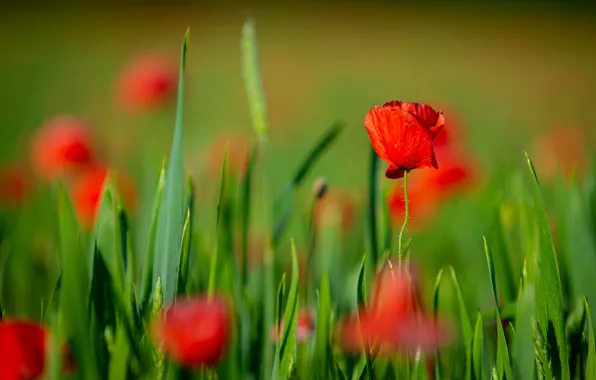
(393, 172)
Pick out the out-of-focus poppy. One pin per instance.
(334, 206)
(238, 151)
(87, 191)
(452, 134)
(393, 322)
(305, 326)
(194, 332)
(402, 134)
(560, 149)
(13, 185)
(146, 83)
(428, 189)
(61, 145)
(23, 346)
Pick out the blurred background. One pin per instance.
(504, 74)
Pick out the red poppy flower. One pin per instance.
(560, 149)
(194, 332)
(393, 322)
(305, 327)
(23, 350)
(88, 189)
(13, 186)
(146, 83)
(61, 145)
(428, 189)
(402, 134)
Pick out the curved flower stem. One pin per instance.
(406, 217)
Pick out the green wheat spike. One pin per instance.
(156, 311)
(157, 298)
(252, 78)
(541, 356)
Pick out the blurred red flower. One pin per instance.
(147, 82)
(61, 145)
(560, 149)
(13, 185)
(194, 332)
(305, 327)
(23, 350)
(393, 322)
(428, 189)
(451, 135)
(238, 151)
(87, 191)
(402, 134)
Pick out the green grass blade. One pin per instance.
(53, 355)
(182, 285)
(108, 238)
(581, 248)
(322, 349)
(373, 193)
(437, 367)
(466, 324)
(75, 289)
(287, 346)
(220, 199)
(550, 281)
(324, 142)
(503, 360)
(246, 212)
(361, 302)
(120, 356)
(478, 350)
(148, 282)
(419, 370)
(171, 214)
(361, 287)
(591, 361)
(185, 256)
(339, 372)
(281, 290)
(523, 349)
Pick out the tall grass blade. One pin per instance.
(171, 213)
(549, 288)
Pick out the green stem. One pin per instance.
(406, 217)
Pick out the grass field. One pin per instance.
(503, 76)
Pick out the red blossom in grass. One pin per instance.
(13, 186)
(194, 332)
(394, 321)
(87, 191)
(61, 145)
(23, 350)
(305, 327)
(560, 149)
(147, 83)
(429, 189)
(402, 134)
